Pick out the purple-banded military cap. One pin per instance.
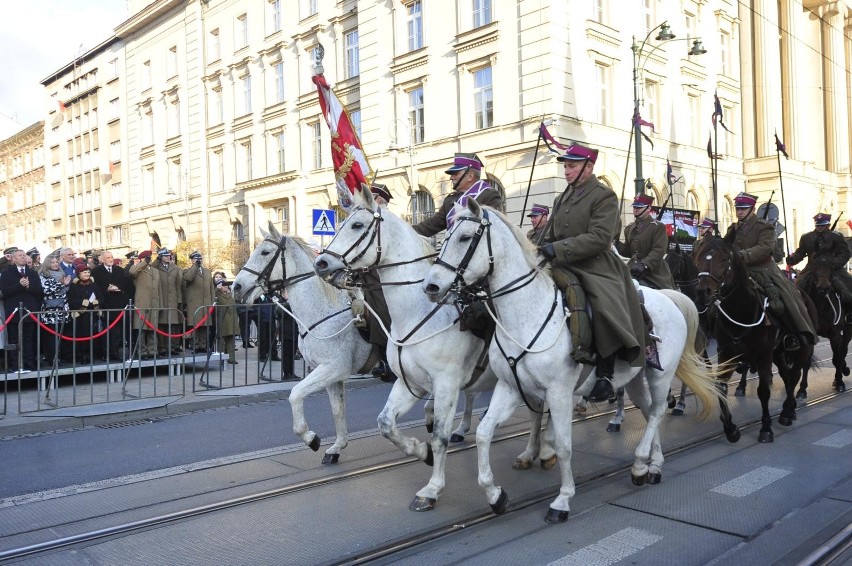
(707, 223)
(463, 161)
(578, 152)
(641, 201)
(822, 219)
(380, 191)
(539, 210)
(745, 200)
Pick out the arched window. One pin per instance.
(238, 233)
(692, 202)
(497, 184)
(421, 205)
(728, 215)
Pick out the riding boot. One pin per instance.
(603, 389)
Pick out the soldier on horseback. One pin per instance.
(706, 230)
(823, 242)
(754, 239)
(578, 239)
(646, 243)
(538, 217)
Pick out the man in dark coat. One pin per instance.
(646, 243)
(754, 240)
(464, 173)
(114, 284)
(706, 230)
(538, 218)
(198, 294)
(823, 242)
(579, 238)
(21, 285)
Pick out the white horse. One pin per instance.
(426, 347)
(531, 350)
(328, 339)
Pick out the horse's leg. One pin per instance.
(337, 399)
(446, 396)
(803, 384)
(503, 403)
(525, 459)
(742, 369)
(732, 431)
(582, 405)
(429, 414)
(680, 406)
(799, 366)
(651, 401)
(399, 403)
(839, 386)
(764, 389)
(614, 424)
(467, 414)
(323, 376)
(559, 399)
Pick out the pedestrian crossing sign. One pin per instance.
(323, 222)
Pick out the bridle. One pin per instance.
(264, 277)
(719, 296)
(722, 280)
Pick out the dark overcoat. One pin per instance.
(817, 244)
(226, 314)
(147, 298)
(438, 221)
(582, 228)
(646, 242)
(198, 293)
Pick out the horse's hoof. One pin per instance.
(430, 459)
(733, 436)
(547, 463)
(430, 427)
(521, 464)
(766, 437)
(802, 394)
(555, 516)
(677, 412)
(330, 458)
(422, 504)
(613, 427)
(639, 480)
(655, 478)
(457, 438)
(314, 444)
(672, 401)
(846, 371)
(580, 409)
(840, 387)
(499, 507)
(740, 392)
(784, 420)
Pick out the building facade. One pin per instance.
(23, 189)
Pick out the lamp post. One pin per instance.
(640, 59)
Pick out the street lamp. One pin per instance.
(640, 59)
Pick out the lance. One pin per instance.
(783, 204)
(714, 159)
(532, 170)
(768, 204)
(836, 220)
(624, 183)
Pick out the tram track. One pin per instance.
(386, 551)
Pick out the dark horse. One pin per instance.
(831, 321)
(736, 314)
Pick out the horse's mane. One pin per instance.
(332, 293)
(529, 249)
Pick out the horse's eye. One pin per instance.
(464, 238)
(357, 225)
(265, 252)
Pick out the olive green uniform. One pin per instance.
(825, 244)
(646, 242)
(438, 221)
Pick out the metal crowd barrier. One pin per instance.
(72, 363)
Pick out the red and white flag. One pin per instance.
(350, 164)
(60, 115)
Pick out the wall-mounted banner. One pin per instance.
(681, 227)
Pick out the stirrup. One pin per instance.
(602, 390)
(791, 342)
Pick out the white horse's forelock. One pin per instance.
(528, 247)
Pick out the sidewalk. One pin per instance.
(100, 401)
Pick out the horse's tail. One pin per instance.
(691, 368)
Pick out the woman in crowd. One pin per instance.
(54, 310)
(226, 319)
(84, 300)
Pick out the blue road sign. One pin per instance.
(323, 222)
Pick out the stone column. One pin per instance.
(789, 18)
(767, 77)
(836, 105)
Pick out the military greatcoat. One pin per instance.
(646, 242)
(171, 293)
(754, 240)
(198, 294)
(147, 295)
(826, 243)
(438, 221)
(582, 228)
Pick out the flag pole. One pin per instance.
(532, 170)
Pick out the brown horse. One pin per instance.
(737, 316)
(831, 322)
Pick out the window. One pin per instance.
(278, 86)
(415, 25)
(421, 207)
(171, 62)
(649, 13)
(694, 119)
(279, 151)
(310, 7)
(173, 118)
(691, 25)
(147, 127)
(316, 144)
(238, 233)
(244, 165)
(273, 21)
(244, 98)
(651, 94)
(148, 185)
(115, 196)
(114, 109)
(599, 10)
(174, 189)
(115, 151)
(725, 54)
(415, 115)
(483, 98)
(240, 32)
(355, 118)
(351, 46)
(601, 96)
(113, 69)
(214, 50)
(217, 170)
(481, 12)
(145, 75)
(57, 209)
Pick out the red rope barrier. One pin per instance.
(162, 333)
(81, 338)
(8, 320)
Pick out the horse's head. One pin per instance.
(675, 259)
(271, 267)
(358, 242)
(462, 262)
(715, 266)
(822, 269)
